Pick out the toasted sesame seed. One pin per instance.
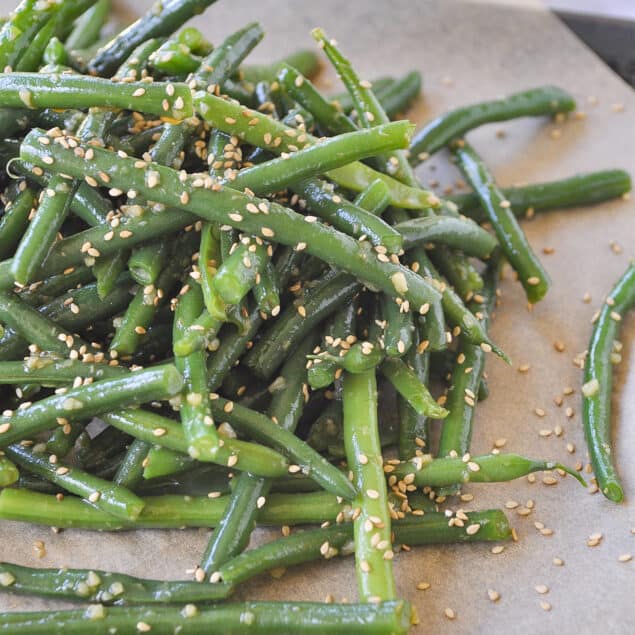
(232, 460)
(625, 557)
(498, 549)
(545, 606)
(493, 595)
(533, 280)
(423, 586)
(450, 613)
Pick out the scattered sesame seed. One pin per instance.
(625, 557)
(450, 613)
(493, 595)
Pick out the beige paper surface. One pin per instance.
(469, 52)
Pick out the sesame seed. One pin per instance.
(542, 589)
(472, 529)
(423, 586)
(494, 596)
(498, 549)
(232, 460)
(625, 557)
(533, 280)
(372, 493)
(143, 627)
(545, 606)
(558, 562)
(139, 92)
(473, 467)
(450, 613)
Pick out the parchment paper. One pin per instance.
(469, 52)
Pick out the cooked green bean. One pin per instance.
(90, 400)
(196, 416)
(15, 220)
(261, 618)
(513, 242)
(39, 90)
(130, 471)
(163, 512)
(155, 428)
(581, 189)
(537, 102)
(489, 468)
(598, 380)
(373, 556)
(9, 473)
(105, 495)
(220, 205)
(42, 230)
(152, 24)
(328, 542)
(105, 587)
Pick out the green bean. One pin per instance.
(266, 132)
(109, 497)
(296, 321)
(232, 346)
(262, 618)
(313, 544)
(220, 206)
(42, 230)
(153, 24)
(458, 270)
(107, 271)
(163, 462)
(46, 290)
(460, 233)
(581, 189)
(598, 379)
(18, 31)
(35, 52)
(489, 468)
(238, 273)
(174, 59)
(154, 428)
(373, 559)
(146, 262)
(104, 587)
(399, 327)
(346, 216)
(369, 111)
(262, 429)
(90, 400)
(513, 242)
(130, 471)
(163, 512)
(413, 426)
(87, 28)
(63, 438)
(266, 292)
(143, 308)
(35, 328)
(196, 417)
(97, 452)
(537, 102)
(375, 198)
(327, 155)
(15, 220)
(39, 90)
(223, 61)
(9, 473)
(397, 97)
(330, 119)
(132, 67)
(456, 432)
(407, 384)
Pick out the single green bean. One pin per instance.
(513, 242)
(130, 471)
(15, 220)
(598, 379)
(537, 102)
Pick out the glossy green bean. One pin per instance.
(15, 220)
(296, 321)
(42, 231)
(39, 90)
(537, 102)
(105, 587)
(264, 618)
(163, 512)
(598, 380)
(348, 217)
(90, 400)
(489, 468)
(159, 430)
(513, 242)
(105, 495)
(130, 471)
(581, 189)
(373, 559)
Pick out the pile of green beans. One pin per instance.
(232, 271)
